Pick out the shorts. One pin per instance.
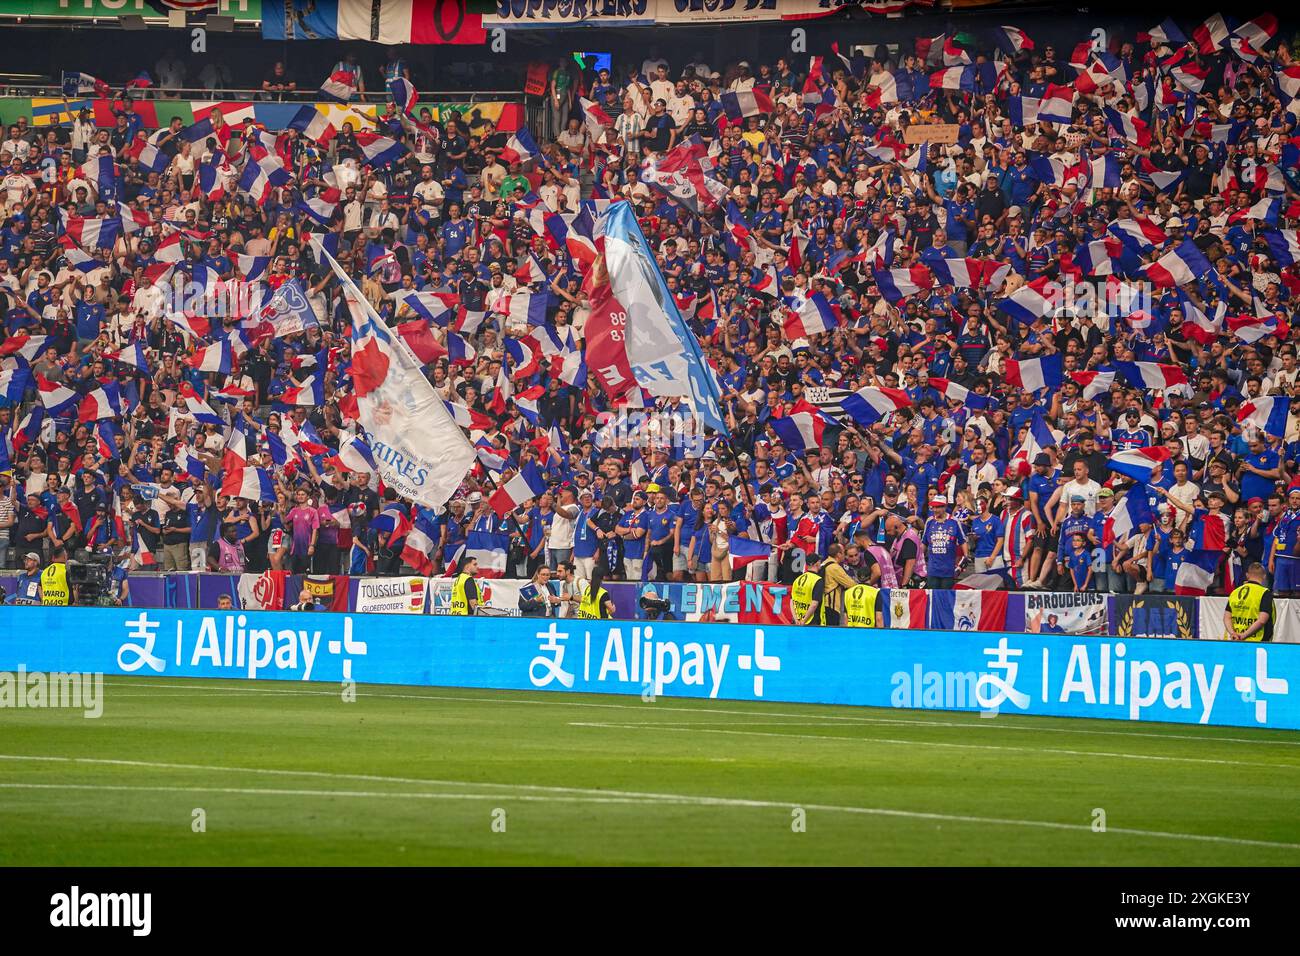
(1286, 574)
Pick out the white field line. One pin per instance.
(667, 800)
(374, 690)
(692, 729)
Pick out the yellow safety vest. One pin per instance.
(591, 607)
(1243, 605)
(459, 599)
(860, 606)
(801, 596)
(54, 585)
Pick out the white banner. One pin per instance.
(392, 595)
(1050, 613)
(1286, 620)
(497, 596)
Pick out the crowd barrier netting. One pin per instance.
(1032, 612)
(1049, 674)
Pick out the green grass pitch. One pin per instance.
(291, 774)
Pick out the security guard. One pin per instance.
(806, 599)
(1249, 615)
(54, 580)
(862, 606)
(464, 590)
(596, 604)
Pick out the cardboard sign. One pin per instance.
(944, 134)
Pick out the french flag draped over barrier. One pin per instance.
(1035, 374)
(1137, 463)
(869, 405)
(968, 610)
(742, 552)
(1269, 414)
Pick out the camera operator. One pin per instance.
(55, 589)
(306, 602)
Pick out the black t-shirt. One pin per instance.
(175, 519)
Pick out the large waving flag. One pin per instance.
(814, 316)
(1152, 376)
(1270, 414)
(1181, 265)
(421, 452)
(339, 87)
(313, 124)
(802, 429)
(742, 552)
(526, 484)
(1030, 302)
(869, 405)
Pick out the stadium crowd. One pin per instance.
(912, 398)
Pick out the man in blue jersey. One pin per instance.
(942, 539)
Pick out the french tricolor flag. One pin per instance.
(747, 103)
(959, 273)
(55, 397)
(1196, 573)
(103, 402)
(526, 402)
(100, 172)
(958, 393)
(25, 345)
(252, 484)
(355, 455)
(1029, 303)
(531, 272)
(339, 87)
(469, 419)
(898, 284)
(527, 307)
(1212, 35)
(490, 549)
(1140, 231)
(197, 408)
(1138, 463)
(1056, 104)
(378, 151)
(417, 552)
(212, 358)
(14, 383)
(1092, 383)
(526, 484)
(1033, 375)
(1152, 376)
(1011, 40)
(520, 148)
(814, 316)
(869, 405)
(94, 233)
(419, 339)
(1269, 414)
(310, 392)
(314, 125)
(1128, 125)
(1183, 264)
(1285, 245)
(1252, 328)
(802, 429)
(438, 308)
(459, 351)
(954, 78)
(742, 552)
(1103, 172)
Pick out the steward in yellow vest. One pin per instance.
(54, 581)
(1249, 615)
(596, 604)
(862, 606)
(806, 599)
(464, 590)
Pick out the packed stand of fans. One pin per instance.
(911, 401)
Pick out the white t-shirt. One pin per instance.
(1088, 490)
(562, 528)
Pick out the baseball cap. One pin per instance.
(33, 555)
(1106, 493)
(938, 502)
(475, 497)
(1012, 492)
(1042, 459)
(1078, 498)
